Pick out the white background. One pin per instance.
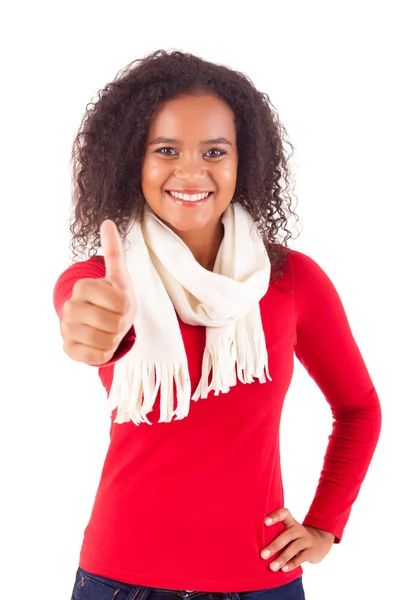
(330, 70)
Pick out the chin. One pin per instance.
(186, 222)
(185, 225)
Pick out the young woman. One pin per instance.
(193, 315)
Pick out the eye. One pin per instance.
(221, 152)
(160, 151)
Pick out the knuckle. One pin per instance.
(67, 329)
(281, 541)
(120, 323)
(64, 328)
(127, 308)
(115, 339)
(297, 548)
(67, 310)
(103, 356)
(283, 559)
(95, 357)
(99, 357)
(79, 286)
(125, 304)
(73, 351)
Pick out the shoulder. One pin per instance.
(314, 291)
(306, 270)
(92, 267)
(294, 268)
(299, 260)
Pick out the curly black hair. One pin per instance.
(110, 144)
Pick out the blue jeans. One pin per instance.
(94, 587)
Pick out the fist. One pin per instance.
(100, 311)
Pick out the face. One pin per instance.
(191, 150)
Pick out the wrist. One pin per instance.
(323, 533)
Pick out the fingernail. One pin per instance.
(275, 566)
(285, 568)
(265, 553)
(268, 521)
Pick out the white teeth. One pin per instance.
(190, 197)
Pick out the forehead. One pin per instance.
(193, 115)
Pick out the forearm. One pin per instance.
(349, 452)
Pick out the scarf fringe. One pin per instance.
(242, 355)
(136, 392)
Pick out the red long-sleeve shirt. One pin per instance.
(181, 505)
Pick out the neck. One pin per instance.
(204, 244)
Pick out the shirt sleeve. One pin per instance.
(327, 349)
(93, 267)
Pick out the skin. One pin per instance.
(190, 163)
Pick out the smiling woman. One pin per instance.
(195, 164)
(193, 315)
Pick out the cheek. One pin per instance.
(153, 173)
(227, 175)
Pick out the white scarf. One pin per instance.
(167, 278)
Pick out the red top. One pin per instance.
(181, 505)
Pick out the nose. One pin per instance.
(189, 168)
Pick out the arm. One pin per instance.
(94, 268)
(327, 349)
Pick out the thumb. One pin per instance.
(116, 270)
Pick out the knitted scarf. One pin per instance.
(168, 281)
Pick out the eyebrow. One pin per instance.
(164, 140)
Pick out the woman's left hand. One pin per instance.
(301, 543)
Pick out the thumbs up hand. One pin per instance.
(100, 311)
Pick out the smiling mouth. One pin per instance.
(200, 197)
